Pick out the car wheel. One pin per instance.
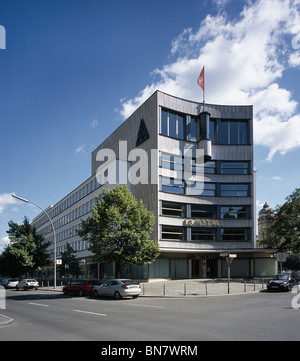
(65, 291)
(17, 288)
(117, 295)
(135, 296)
(80, 293)
(96, 294)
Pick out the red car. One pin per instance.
(81, 287)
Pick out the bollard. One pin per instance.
(164, 290)
(184, 289)
(205, 288)
(245, 286)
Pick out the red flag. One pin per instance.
(201, 79)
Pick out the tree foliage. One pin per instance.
(119, 229)
(285, 229)
(70, 264)
(27, 250)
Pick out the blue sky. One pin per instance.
(73, 70)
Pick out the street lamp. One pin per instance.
(54, 235)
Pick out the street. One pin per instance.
(49, 315)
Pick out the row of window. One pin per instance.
(174, 162)
(172, 185)
(180, 210)
(202, 234)
(80, 245)
(221, 131)
(69, 201)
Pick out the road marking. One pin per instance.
(135, 304)
(38, 304)
(91, 313)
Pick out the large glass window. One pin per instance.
(173, 124)
(235, 234)
(235, 212)
(172, 162)
(191, 128)
(204, 234)
(233, 132)
(203, 211)
(201, 189)
(173, 233)
(173, 209)
(234, 190)
(172, 185)
(234, 167)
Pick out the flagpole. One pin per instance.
(203, 87)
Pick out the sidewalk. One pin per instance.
(192, 287)
(200, 287)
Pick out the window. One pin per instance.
(172, 185)
(233, 132)
(173, 124)
(209, 167)
(191, 128)
(235, 212)
(171, 162)
(234, 190)
(203, 211)
(201, 189)
(173, 209)
(173, 233)
(235, 234)
(204, 234)
(234, 167)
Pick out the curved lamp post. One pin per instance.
(54, 235)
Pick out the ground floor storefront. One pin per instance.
(257, 263)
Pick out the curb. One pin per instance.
(4, 320)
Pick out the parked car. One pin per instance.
(118, 288)
(27, 284)
(10, 282)
(81, 287)
(283, 282)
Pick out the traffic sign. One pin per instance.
(281, 256)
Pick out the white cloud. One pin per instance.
(81, 149)
(244, 60)
(4, 241)
(5, 200)
(94, 123)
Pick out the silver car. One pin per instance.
(118, 288)
(27, 284)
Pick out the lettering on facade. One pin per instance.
(203, 222)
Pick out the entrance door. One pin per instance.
(196, 268)
(212, 268)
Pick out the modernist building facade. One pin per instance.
(193, 168)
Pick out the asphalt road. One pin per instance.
(48, 315)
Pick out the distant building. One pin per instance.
(196, 221)
(265, 218)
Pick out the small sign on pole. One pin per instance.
(59, 261)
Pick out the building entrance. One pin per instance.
(204, 268)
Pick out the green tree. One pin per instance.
(27, 250)
(285, 229)
(119, 229)
(70, 264)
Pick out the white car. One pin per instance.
(10, 282)
(118, 288)
(27, 284)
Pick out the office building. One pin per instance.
(192, 165)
